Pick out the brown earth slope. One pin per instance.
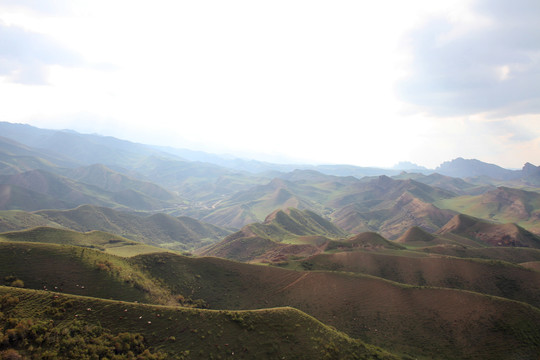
(430, 322)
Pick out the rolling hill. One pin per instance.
(181, 233)
(165, 231)
(85, 327)
(482, 276)
(56, 191)
(503, 205)
(490, 234)
(284, 233)
(407, 211)
(98, 240)
(414, 321)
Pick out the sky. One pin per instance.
(339, 82)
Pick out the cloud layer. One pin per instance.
(25, 55)
(488, 63)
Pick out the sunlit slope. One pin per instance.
(502, 205)
(78, 270)
(366, 240)
(284, 233)
(486, 233)
(432, 322)
(11, 220)
(416, 237)
(182, 333)
(98, 240)
(405, 212)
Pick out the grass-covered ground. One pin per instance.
(58, 326)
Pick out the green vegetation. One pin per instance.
(503, 205)
(80, 271)
(178, 233)
(65, 327)
(408, 320)
(437, 267)
(97, 240)
(284, 233)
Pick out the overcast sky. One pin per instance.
(354, 82)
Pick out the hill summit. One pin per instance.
(283, 233)
(491, 234)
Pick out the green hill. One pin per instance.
(407, 211)
(490, 234)
(101, 176)
(16, 158)
(514, 255)
(284, 233)
(62, 192)
(502, 205)
(68, 327)
(366, 240)
(98, 240)
(418, 321)
(483, 276)
(180, 233)
(78, 270)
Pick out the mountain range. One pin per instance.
(173, 253)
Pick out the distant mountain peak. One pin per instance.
(464, 168)
(407, 165)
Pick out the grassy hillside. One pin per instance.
(455, 185)
(56, 188)
(78, 270)
(284, 233)
(13, 197)
(101, 176)
(407, 211)
(16, 157)
(98, 240)
(180, 233)
(490, 234)
(11, 220)
(514, 255)
(503, 205)
(484, 276)
(83, 326)
(286, 225)
(366, 240)
(429, 322)
(416, 237)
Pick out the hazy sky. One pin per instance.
(357, 82)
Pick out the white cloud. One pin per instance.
(311, 79)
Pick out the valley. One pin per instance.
(188, 256)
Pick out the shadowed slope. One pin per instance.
(180, 333)
(484, 276)
(421, 321)
(57, 189)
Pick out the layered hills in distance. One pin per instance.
(114, 249)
